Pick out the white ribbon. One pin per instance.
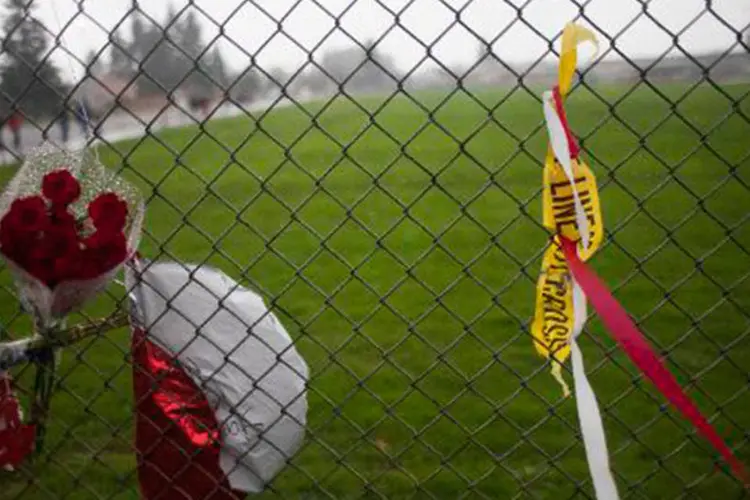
(589, 414)
(559, 143)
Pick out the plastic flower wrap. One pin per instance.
(67, 225)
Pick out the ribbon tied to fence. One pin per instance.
(572, 211)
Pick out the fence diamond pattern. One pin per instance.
(391, 218)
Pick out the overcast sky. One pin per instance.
(264, 27)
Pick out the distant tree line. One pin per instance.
(29, 81)
(173, 54)
(169, 56)
(157, 58)
(164, 57)
(354, 69)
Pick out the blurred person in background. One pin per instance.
(64, 122)
(15, 122)
(83, 115)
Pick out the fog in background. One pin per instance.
(125, 67)
(266, 28)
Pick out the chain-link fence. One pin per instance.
(382, 193)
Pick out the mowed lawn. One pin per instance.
(400, 243)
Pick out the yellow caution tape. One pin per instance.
(554, 317)
(572, 37)
(558, 204)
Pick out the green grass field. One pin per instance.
(403, 255)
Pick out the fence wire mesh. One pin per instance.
(389, 213)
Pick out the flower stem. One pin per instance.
(46, 364)
(43, 385)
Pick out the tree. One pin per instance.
(278, 79)
(120, 61)
(246, 86)
(151, 55)
(94, 64)
(163, 66)
(207, 69)
(188, 35)
(341, 63)
(379, 71)
(169, 56)
(138, 29)
(362, 70)
(28, 80)
(215, 68)
(177, 60)
(317, 82)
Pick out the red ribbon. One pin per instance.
(572, 143)
(640, 352)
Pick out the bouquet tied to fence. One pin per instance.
(67, 226)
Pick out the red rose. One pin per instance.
(52, 257)
(60, 187)
(14, 244)
(62, 223)
(103, 251)
(27, 214)
(40, 263)
(62, 238)
(20, 227)
(108, 212)
(69, 266)
(61, 241)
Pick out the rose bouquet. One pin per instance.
(43, 237)
(67, 225)
(66, 228)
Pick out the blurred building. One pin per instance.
(725, 68)
(103, 92)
